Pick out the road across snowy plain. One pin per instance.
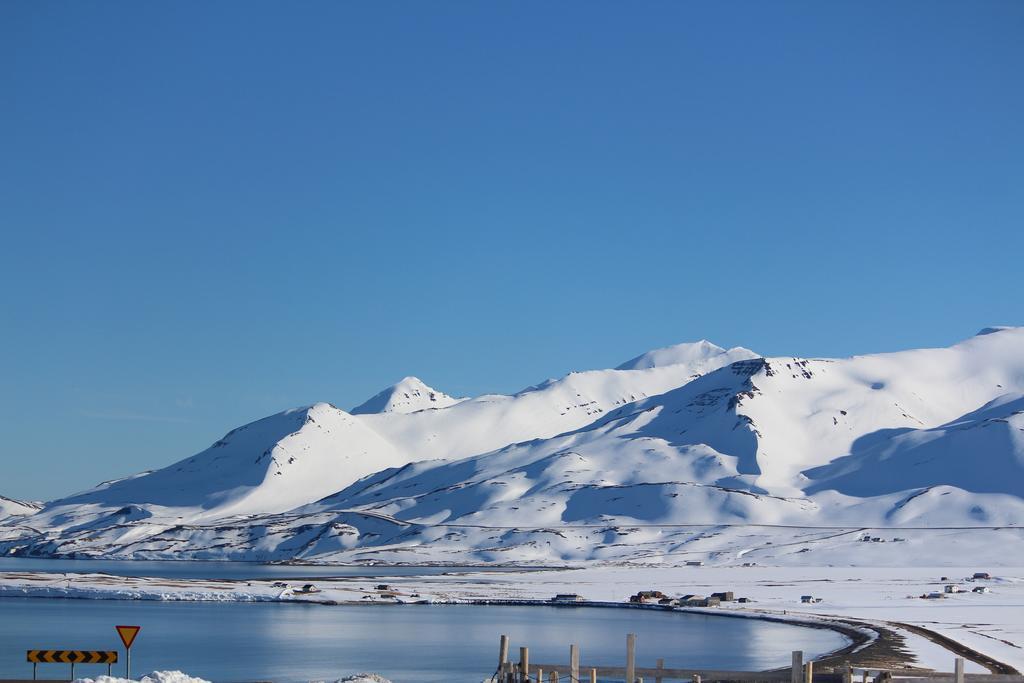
(990, 623)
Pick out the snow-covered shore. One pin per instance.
(991, 623)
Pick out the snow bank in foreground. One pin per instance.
(364, 678)
(155, 677)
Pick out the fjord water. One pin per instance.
(227, 642)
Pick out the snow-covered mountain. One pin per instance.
(9, 506)
(407, 396)
(701, 357)
(690, 434)
(270, 465)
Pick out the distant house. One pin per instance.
(750, 564)
(699, 601)
(744, 600)
(647, 596)
(694, 563)
(307, 589)
(668, 602)
(809, 599)
(566, 598)
(382, 587)
(952, 588)
(982, 575)
(724, 596)
(981, 589)
(933, 596)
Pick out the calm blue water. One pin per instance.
(168, 569)
(407, 644)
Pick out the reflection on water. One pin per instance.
(408, 643)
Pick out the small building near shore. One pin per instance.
(647, 596)
(566, 598)
(699, 601)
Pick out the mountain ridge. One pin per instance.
(875, 440)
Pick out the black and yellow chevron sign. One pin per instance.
(73, 656)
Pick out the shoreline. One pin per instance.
(871, 646)
(877, 610)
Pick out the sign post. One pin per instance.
(128, 634)
(71, 657)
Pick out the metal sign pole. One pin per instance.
(128, 634)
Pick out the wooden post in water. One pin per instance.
(593, 676)
(847, 673)
(796, 673)
(524, 663)
(661, 665)
(631, 658)
(574, 663)
(958, 669)
(809, 672)
(502, 654)
(553, 677)
(696, 678)
(540, 675)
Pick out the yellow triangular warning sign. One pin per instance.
(128, 634)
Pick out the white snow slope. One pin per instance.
(9, 507)
(592, 466)
(407, 396)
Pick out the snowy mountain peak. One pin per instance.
(409, 395)
(9, 506)
(691, 353)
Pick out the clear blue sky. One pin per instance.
(214, 211)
